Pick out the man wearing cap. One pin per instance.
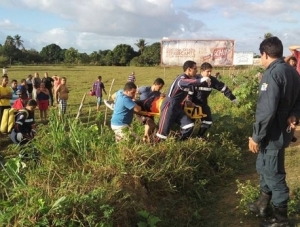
(21, 102)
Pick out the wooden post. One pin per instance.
(81, 105)
(109, 94)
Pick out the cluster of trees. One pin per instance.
(14, 52)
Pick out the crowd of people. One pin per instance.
(31, 92)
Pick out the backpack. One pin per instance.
(9, 119)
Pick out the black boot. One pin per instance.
(280, 218)
(260, 206)
(201, 132)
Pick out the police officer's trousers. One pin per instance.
(270, 166)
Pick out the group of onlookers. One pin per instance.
(30, 93)
(46, 91)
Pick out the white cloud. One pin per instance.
(7, 24)
(57, 35)
(102, 24)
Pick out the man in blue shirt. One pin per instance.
(123, 110)
(146, 93)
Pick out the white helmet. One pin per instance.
(16, 137)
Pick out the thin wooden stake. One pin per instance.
(109, 94)
(81, 105)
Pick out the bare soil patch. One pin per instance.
(227, 210)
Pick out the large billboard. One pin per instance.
(243, 58)
(216, 52)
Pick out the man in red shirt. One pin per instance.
(21, 102)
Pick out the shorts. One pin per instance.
(62, 106)
(122, 133)
(43, 104)
(99, 99)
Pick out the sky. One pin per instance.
(93, 25)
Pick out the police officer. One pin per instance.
(277, 111)
(200, 94)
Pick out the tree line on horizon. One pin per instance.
(13, 52)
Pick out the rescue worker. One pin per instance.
(277, 111)
(199, 95)
(171, 108)
(24, 128)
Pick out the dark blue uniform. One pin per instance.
(279, 98)
(171, 108)
(23, 128)
(199, 96)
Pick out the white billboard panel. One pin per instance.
(243, 58)
(257, 61)
(216, 52)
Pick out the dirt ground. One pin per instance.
(227, 209)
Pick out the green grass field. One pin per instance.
(85, 179)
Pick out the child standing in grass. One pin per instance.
(62, 95)
(43, 95)
(98, 88)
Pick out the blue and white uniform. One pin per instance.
(199, 95)
(23, 129)
(171, 108)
